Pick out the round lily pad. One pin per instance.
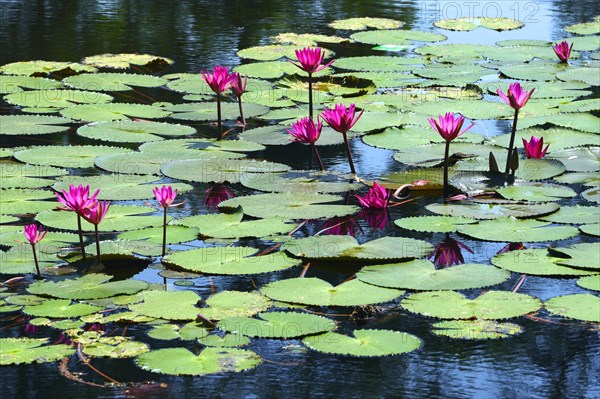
(300, 182)
(458, 24)
(234, 303)
(207, 111)
(180, 361)
(378, 63)
(90, 286)
(22, 201)
(112, 81)
(14, 125)
(115, 348)
(591, 229)
(475, 329)
(274, 70)
(113, 112)
(226, 341)
(314, 291)
(125, 60)
(540, 192)
(175, 234)
(453, 305)
(17, 175)
(590, 282)
(367, 343)
(511, 229)
(122, 249)
(535, 262)
(133, 131)
(433, 224)
(361, 23)
(582, 74)
(576, 214)
(19, 260)
(60, 309)
(584, 255)
(422, 275)
(468, 24)
(187, 332)
(399, 37)
(41, 67)
(56, 98)
(577, 306)
(278, 325)
(81, 156)
(209, 146)
(229, 260)
(592, 194)
(586, 28)
(492, 210)
(272, 52)
(307, 39)
(15, 84)
(169, 305)
(31, 350)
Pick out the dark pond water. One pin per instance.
(551, 359)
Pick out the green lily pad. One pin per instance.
(493, 210)
(591, 229)
(53, 242)
(90, 286)
(455, 52)
(347, 248)
(169, 305)
(578, 121)
(124, 61)
(118, 218)
(30, 350)
(536, 192)
(453, 305)
(16, 125)
(574, 214)
(397, 179)
(278, 325)
(19, 260)
(115, 348)
(207, 111)
(584, 43)
(476, 329)
(17, 175)
(118, 186)
(300, 182)
(229, 260)
(366, 343)
(529, 169)
(582, 74)
(556, 138)
(577, 306)
(272, 52)
(226, 341)
(511, 229)
(403, 138)
(175, 234)
(290, 206)
(314, 291)
(180, 361)
(15, 84)
(468, 108)
(306, 39)
(422, 275)
(112, 81)
(398, 37)
(581, 106)
(113, 112)
(218, 170)
(56, 98)
(535, 262)
(586, 28)
(592, 194)
(233, 304)
(468, 24)
(585, 256)
(196, 146)
(363, 23)
(223, 225)
(552, 89)
(39, 67)
(71, 156)
(60, 309)
(187, 332)
(133, 131)
(454, 74)
(278, 135)
(458, 24)
(379, 63)
(122, 249)
(590, 282)
(433, 224)
(25, 300)
(21, 201)
(274, 70)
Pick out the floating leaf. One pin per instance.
(60, 309)
(207, 111)
(226, 341)
(290, 206)
(400, 37)
(592, 194)
(233, 304)
(365, 23)
(229, 260)
(459, 24)
(300, 182)
(590, 282)
(577, 306)
(574, 214)
(274, 70)
(585, 255)
(113, 112)
(397, 179)
(19, 260)
(453, 305)
(273, 52)
(493, 210)
(133, 131)
(175, 234)
(30, 350)
(197, 146)
(433, 155)
(15, 84)
(278, 325)
(459, 75)
(169, 305)
(579, 121)
(112, 81)
(314, 291)
(511, 229)
(367, 343)
(556, 138)
(17, 175)
(21, 201)
(476, 329)
(124, 61)
(433, 224)
(89, 286)
(379, 63)
(468, 24)
(536, 192)
(535, 262)
(422, 275)
(115, 348)
(347, 248)
(72, 156)
(582, 74)
(15, 125)
(591, 229)
(187, 332)
(180, 361)
(43, 68)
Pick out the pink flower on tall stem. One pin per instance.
(516, 97)
(239, 88)
(342, 119)
(534, 148)
(34, 234)
(449, 127)
(165, 196)
(448, 252)
(216, 194)
(305, 131)
(563, 50)
(94, 216)
(311, 61)
(376, 198)
(77, 199)
(219, 81)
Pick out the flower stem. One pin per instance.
(314, 147)
(310, 97)
(164, 247)
(510, 145)
(349, 153)
(446, 161)
(80, 236)
(37, 267)
(97, 243)
(241, 110)
(219, 116)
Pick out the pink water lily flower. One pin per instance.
(77, 199)
(311, 59)
(563, 50)
(534, 148)
(448, 252)
(340, 118)
(33, 233)
(305, 131)
(219, 80)
(165, 195)
(516, 96)
(376, 198)
(449, 125)
(239, 85)
(96, 214)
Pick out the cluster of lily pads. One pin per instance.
(270, 230)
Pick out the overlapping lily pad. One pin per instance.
(195, 146)
(361, 23)
(71, 156)
(125, 60)
(278, 325)
(576, 306)
(512, 229)
(175, 234)
(468, 24)
(493, 210)
(22, 201)
(44, 68)
(113, 112)
(89, 286)
(582, 74)
(592, 229)
(536, 192)
(368, 343)
(396, 37)
(584, 255)
(16, 125)
(19, 260)
(433, 224)
(168, 305)
(17, 175)
(274, 70)
(114, 347)
(476, 329)
(234, 304)
(590, 282)
(576, 214)
(207, 111)
(113, 81)
(300, 182)
(187, 332)
(14, 84)
(31, 350)
(535, 262)
(592, 194)
(60, 309)
(133, 131)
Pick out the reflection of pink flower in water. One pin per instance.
(340, 226)
(448, 252)
(216, 194)
(511, 246)
(63, 339)
(376, 218)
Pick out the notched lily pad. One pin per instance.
(365, 23)
(31, 350)
(17, 125)
(125, 61)
(511, 229)
(433, 224)
(278, 325)
(535, 262)
(89, 286)
(367, 343)
(576, 306)
(476, 329)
